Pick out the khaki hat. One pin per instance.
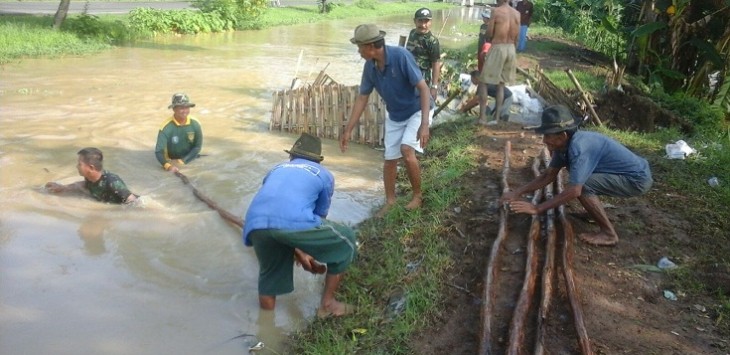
(556, 119)
(180, 99)
(308, 147)
(367, 33)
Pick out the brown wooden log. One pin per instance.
(526, 74)
(548, 270)
(589, 105)
(570, 284)
(485, 341)
(527, 294)
(445, 103)
(230, 217)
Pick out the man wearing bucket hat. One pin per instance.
(393, 72)
(286, 222)
(597, 164)
(425, 49)
(180, 137)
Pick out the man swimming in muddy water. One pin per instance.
(500, 63)
(99, 183)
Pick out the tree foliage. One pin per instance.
(678, 45)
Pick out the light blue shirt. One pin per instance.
(396, 84)
(295, 195)
(590, 152)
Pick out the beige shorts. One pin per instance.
(500, 64)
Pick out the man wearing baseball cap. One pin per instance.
(180, 137)
(597, 164)
(393, 72)
(426, 49)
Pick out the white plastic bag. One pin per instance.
(679, 150)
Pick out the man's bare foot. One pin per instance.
(600, 238)
(415, 203)
(383, 210)
(335, 309)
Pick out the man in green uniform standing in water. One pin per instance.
(181, 137)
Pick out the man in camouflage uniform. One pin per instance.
(100, 184)
(181, 137)
(425, 49)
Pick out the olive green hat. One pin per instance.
(308, 147)
(180, 99)
(367, 33)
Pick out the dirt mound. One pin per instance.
(636, 113)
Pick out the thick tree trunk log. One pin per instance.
(485, 341)
(548, 270)
(527, 294)
(572, 289)
(61, 14)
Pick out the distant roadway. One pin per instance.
(106, 7)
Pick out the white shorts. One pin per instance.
(403, 133)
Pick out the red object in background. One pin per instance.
(482, 54)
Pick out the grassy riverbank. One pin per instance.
(28, 36)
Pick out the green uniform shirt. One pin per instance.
(110, 188)
(179, 141)
(425, 49)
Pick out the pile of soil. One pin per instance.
(634, 112)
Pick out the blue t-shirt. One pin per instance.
(295, 195)
(590, 152)
(396, 84)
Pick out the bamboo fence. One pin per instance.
(323, 109)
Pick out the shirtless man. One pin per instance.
(500, 62)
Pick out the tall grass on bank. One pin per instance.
(26, 36)
(31, 36)
(402, 258)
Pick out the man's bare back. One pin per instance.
(505, 24)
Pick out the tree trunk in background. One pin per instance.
(61, 14)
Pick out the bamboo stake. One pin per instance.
(485, 342)
(594, 116)
(230, 217)
(517, 327)
(572, 289)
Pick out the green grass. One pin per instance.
(26, 36)
(31, 36)
(387, 246)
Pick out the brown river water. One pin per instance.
(168, 276)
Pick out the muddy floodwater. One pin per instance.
(168, 276)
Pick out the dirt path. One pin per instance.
(624, 307)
